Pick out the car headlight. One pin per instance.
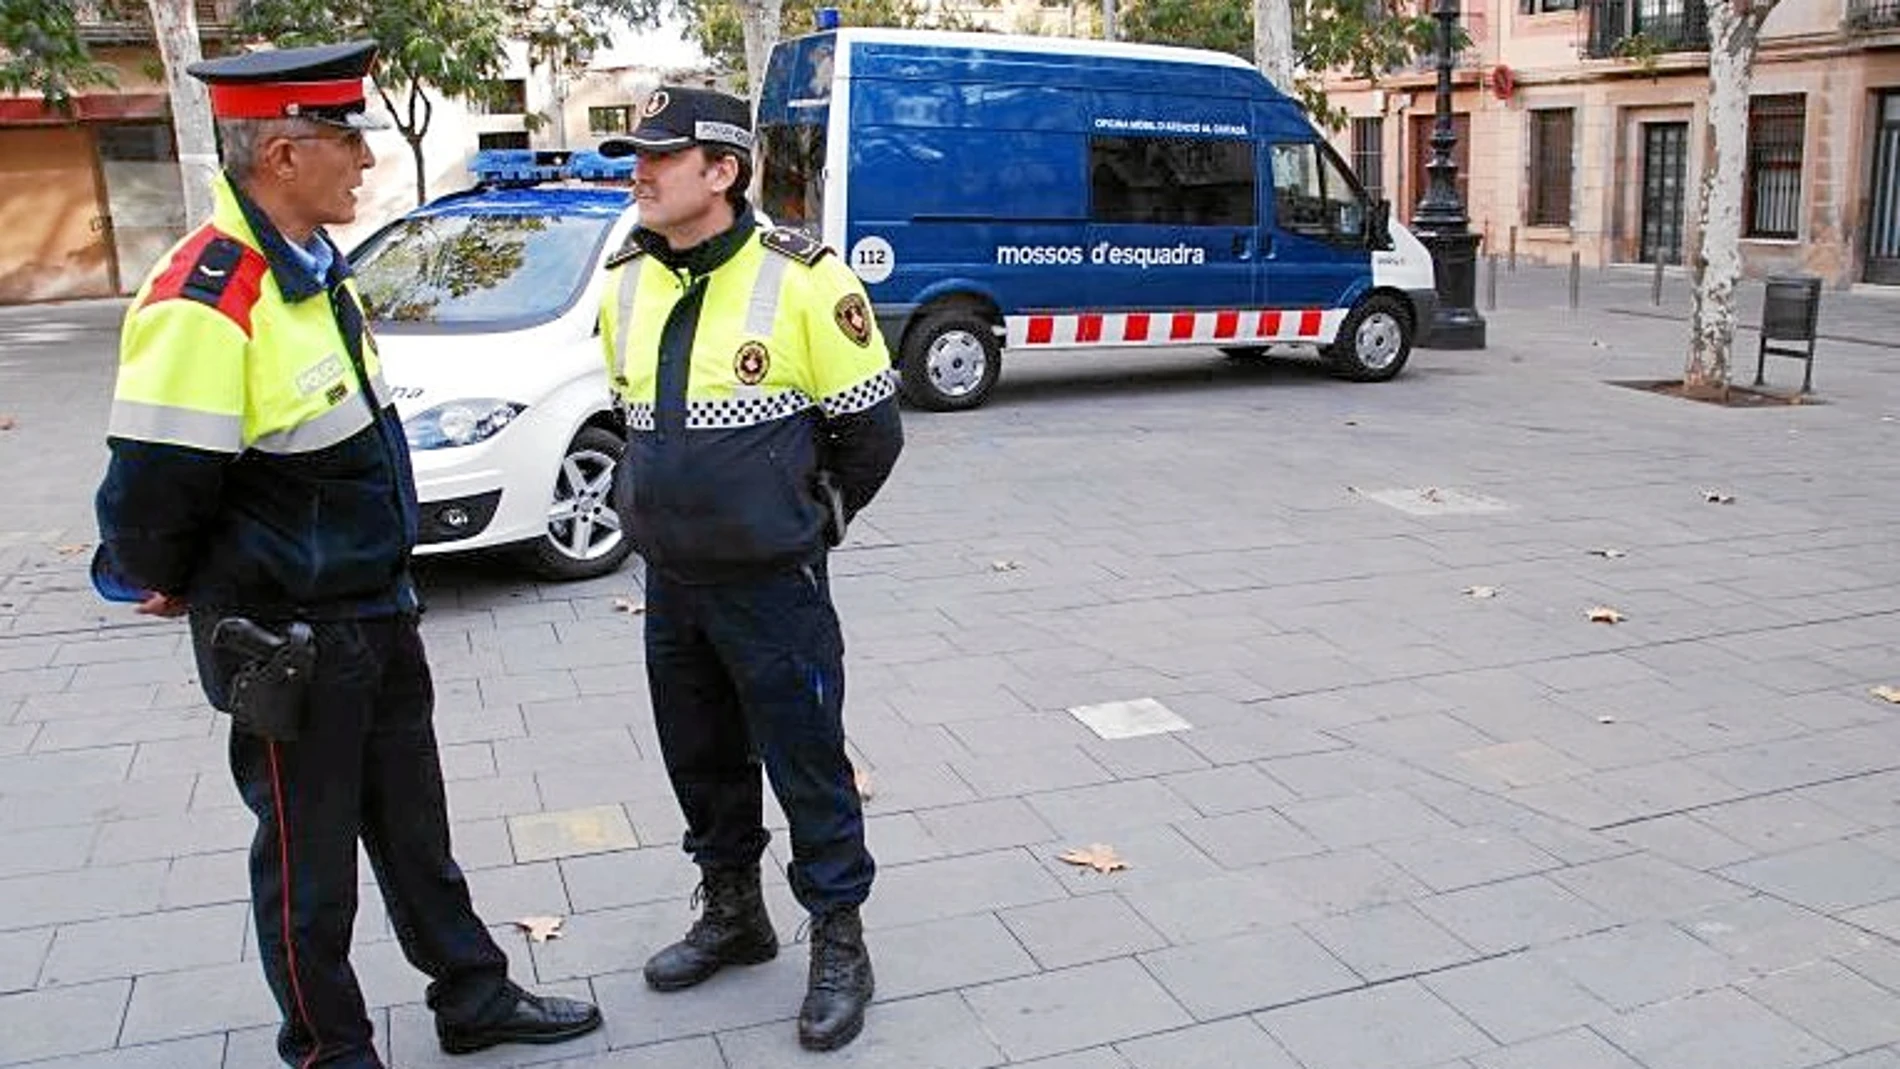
(459, 423)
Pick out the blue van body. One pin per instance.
(1029, 192)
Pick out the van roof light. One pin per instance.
(826, 18)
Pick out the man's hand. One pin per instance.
(161, 604)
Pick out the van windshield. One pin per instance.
(791, 182)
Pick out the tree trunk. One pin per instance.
(175, 24)
(422, 175)
(1273, 42)
(1718, 256)
(760, 19)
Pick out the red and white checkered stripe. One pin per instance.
(1234, 327)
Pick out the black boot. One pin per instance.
(841, 984)
(733, 929)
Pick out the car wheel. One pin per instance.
(586, 537)
(950, 361)
(1374, 341)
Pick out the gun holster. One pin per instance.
(269, 690)
(832, 500)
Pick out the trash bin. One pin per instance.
(1790, 311)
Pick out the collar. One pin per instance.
(703, 258)
(294, 269)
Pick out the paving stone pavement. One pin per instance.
(1408, 828)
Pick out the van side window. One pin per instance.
(1313, 195)
(1180, 181)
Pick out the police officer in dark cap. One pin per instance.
(260, 484)
(761, 417)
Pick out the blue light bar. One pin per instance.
(590, 166)
(520, 166)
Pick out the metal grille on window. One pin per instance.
(1368, 155)
(1551, 171)
(1775, 126)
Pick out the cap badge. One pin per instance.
(656, 104)
(750, 363)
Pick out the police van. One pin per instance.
(1030, 193)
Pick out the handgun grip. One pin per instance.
(245, 637)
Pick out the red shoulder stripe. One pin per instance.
(214, 269)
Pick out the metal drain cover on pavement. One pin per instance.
(1129, 719)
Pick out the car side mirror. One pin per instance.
(1379, 225)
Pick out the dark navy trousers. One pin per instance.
(364, 767)
(751, 673)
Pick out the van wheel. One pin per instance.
(1374, 341)
(950, 361)
(586, 536)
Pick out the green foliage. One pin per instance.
(716, 27)
(1641, 50)
(41, 51)
(1361, 38)
(455, 48)
(1220, 25)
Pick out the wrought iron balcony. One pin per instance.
(1638, 27)
(1873, 14)
(130, 21)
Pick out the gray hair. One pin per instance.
(239, 141)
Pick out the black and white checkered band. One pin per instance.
(727, 414)
(735, 412)
(639, 415)
(860, 397)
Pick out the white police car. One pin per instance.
(485, 307)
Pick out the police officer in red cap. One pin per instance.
(260, 484)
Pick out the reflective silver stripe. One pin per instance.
(344, 418)
(179, 426)
(629, 288)
(378, 389)
(762, 309)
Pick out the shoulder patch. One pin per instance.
(627, 253)
(217, 271)
(796, 244)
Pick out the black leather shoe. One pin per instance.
(840, 985)
(533, 1019)
(733, 929)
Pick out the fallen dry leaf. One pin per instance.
(6, 423)
(1481, 591)
(629, 606)
(862, 780)
(1609, 554)
(1891, 694)
(1431, 493)
(1099, 856)
(1718, 497)
(540, 929)
(1603, 614)
(1606, 719)
(1005, 565)
(72, 550)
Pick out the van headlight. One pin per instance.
(456, 423)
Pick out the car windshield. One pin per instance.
(473, 269)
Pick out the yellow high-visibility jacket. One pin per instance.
(745, 366)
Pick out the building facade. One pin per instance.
(90, 197)
(1582, 128)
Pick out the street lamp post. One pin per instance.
(1440, 219)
